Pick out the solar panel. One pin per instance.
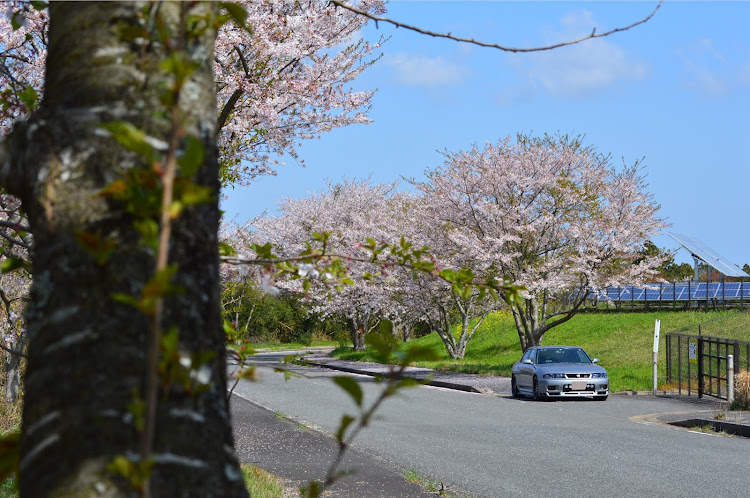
(703, 252)
(682, 291)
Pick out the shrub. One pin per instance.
(741, 391)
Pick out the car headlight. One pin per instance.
(554, 376)
(599, 375)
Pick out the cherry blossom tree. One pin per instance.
(15, 242)
(342, 218)
(22, 55)
(550, 214)
(288, 79)
(446, 302)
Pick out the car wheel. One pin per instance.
(600, 398)
(513, 386)
(537, 396)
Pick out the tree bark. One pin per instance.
(357, 331)
(13, 362)
(87, 352)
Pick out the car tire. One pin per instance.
(537, 396)
(600, 398)
(513, 387)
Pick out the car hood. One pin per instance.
(569, 368)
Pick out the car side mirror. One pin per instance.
(595, 360)
(528, 361)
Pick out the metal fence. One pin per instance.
(697, 364)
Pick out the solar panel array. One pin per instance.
(702, 251)
(683, 291)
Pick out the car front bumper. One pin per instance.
(573, 388)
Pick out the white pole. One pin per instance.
(657, 326)
(730, 378)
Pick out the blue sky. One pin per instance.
(674, 91)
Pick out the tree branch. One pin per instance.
(228, 108)
(449, 36)
(22, 355)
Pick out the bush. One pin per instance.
(741, 391)
(260, 317)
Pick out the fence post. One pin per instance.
(657, 326)
(700, 365)
(669, 358)
(730, 378)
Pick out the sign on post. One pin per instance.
(693, 350)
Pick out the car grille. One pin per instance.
(577, 376)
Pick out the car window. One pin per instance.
(562, 355)
(533, 355)
(525, 355)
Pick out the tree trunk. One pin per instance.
(357, 333)
(12, 366)
(87, 352)
(442, 326)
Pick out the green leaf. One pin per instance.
(384, 345)
(180, 65)
(97, 246)
(125, 299)
(351, 386)
(14, 263)
(29, 97)
(130, 33)
(465, 276)
(132, 139)
(149, 230)
(10, 454)
(226, 250)
(170, 341)
(192, 194)
(312, 490)
(448, 275)
(161, 285)
(192, 157)
(264, 251)
(420, 353)
(238, 14)
(346, 421)
(15, 23)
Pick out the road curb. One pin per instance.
(430, 382)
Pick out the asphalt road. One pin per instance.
(497, 446)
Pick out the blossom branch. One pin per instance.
(449, 36)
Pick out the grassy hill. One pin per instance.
(622, 341)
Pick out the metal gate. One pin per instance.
(698, 364)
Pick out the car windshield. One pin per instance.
(562, 355)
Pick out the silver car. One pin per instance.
(549, 372)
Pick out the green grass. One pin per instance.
(413, 476)
(708, 429)
(8, 489)
(261, 484)
(622, 341)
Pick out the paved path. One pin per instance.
(300, 455)
(623, 449)
(705, 411)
